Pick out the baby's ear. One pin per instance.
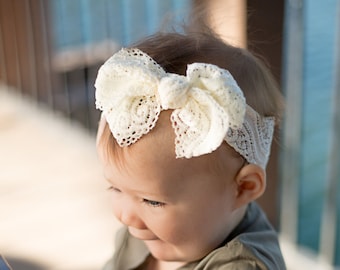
(251, 183)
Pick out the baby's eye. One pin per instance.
(111, 188)
(153, 203)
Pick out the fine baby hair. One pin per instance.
(185, 136)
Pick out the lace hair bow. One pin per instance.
(208, 106)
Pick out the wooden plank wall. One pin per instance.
(25, 48)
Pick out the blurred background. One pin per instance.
(54, 207)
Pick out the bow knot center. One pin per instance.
(172, 91)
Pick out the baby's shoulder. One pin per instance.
(237, 254)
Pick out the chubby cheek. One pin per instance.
(175, 242)
(115, 209)
(176, 230)
(170, 228)
(204, 230)
(180, 243)
(122, 209)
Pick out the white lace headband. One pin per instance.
(208, 106)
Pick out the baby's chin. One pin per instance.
(162, 251)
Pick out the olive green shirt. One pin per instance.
(253, 244)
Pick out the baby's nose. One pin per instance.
(129, 216)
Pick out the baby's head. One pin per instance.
(185, 155)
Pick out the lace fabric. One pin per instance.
(253, 140)
(208, 106)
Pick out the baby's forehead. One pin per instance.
(158, 139)
(158, 146)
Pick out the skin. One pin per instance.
(181, 208)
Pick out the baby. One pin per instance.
(187, 124)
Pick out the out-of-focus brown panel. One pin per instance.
(10, 68)
(227, 18)
(41, 40)
(25, 46)
(21, 21)
(264, 31)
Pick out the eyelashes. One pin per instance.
(148, 202)
(153, 203)
(111, 188)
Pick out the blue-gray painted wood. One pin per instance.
(310, 158)
(319, 40)
(79, 23)
(330, 237)
(292, 87)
